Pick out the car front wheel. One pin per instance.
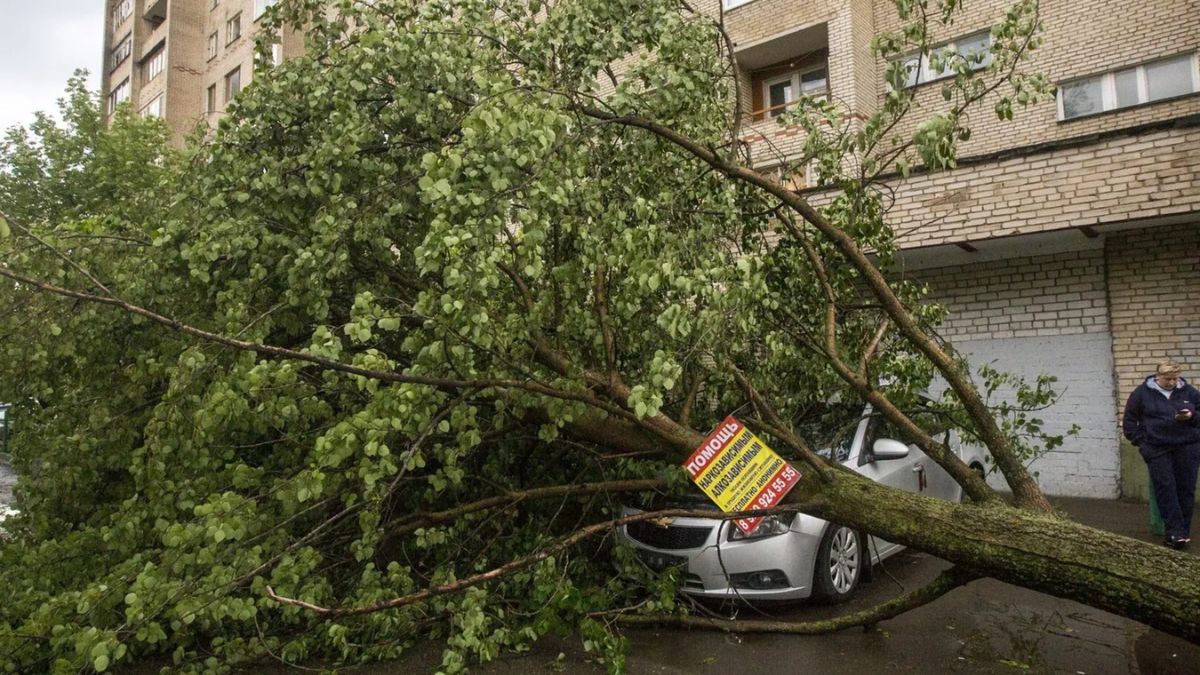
(840, 561)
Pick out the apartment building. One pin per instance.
(1065, 242)
(182, 60)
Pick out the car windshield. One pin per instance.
(829, 428)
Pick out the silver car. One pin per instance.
(800, 556)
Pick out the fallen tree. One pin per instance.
(379, 359)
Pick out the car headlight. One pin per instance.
(769, 527)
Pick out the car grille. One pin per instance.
(673, 537)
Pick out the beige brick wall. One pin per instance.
(1060, 294)
(1154, 291)
(189, 71)
(1127, 177)
(230, 55)
(1082, 37)
(761, 19)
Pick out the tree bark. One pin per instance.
(944, 583)
(1041, 551)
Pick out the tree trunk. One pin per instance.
(1145, 582)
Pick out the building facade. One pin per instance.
(1065, 242)
(182, 60)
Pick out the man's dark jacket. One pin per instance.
(1150, 420)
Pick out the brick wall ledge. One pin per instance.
(1183, 122)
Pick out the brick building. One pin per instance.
(182, 60)
(1066, 241)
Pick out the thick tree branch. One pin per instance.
(780, 428)
(1024, 487)
(606, 329)
(975, 487)
(872, 348)
(944, 583)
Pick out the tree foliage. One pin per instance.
(435, 297)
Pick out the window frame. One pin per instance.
(158, 56)
(121, 12)
(925, 76)
(124, 47)
(796, 78)
(210, 98)
(236, 72)
(158, 102)
(808, 172)
(233, 28)
(115, 97)
(1108, 87)
(214, 45)
(730, 4)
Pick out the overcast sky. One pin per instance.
(41, 43)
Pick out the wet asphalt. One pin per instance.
(984, 627)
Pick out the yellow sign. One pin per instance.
(739, 472)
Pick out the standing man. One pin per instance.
(1161, 419)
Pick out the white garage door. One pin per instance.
(1088, 463)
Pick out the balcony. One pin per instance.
(783, 67)
(156, 11)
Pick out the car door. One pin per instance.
(903, 473)
(937, 483)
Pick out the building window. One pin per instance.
(155, 108)
(121, 52)
(779, 91)
(118, 95)
(233, 83)
(233, 28)
(276, 54)
(792, 177)
(121, 11)
(210, 99)
(975, 48)
(261, 6)
(154, 63)
(1149, 82)
(213, 43)
(730, 4)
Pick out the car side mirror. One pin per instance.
(886, 448)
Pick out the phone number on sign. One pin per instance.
(776, 489)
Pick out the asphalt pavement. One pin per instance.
(984, 627)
